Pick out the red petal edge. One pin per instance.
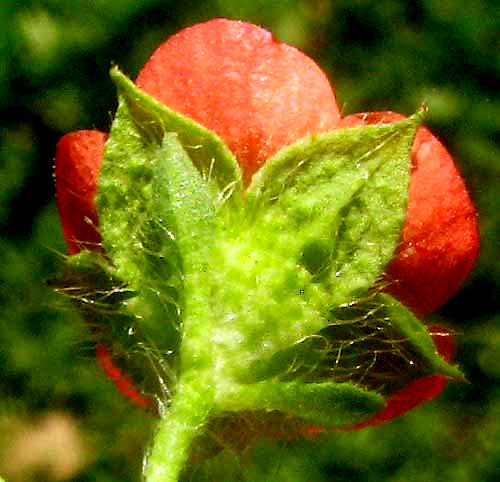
(121, 381)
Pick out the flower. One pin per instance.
(259, 96)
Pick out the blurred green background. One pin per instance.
(60, 418)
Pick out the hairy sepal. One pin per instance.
(323, 218)
(417, 335)
(91, 282)
(342, 197)
(209, 154)
(329, 404)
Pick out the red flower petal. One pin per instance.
(77, 163)
(234, 78)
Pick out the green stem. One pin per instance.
(188, 413)
(194, 399)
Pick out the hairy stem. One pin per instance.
(187, 415)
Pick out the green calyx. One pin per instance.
(264, 299)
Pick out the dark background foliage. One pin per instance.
(55, 404)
